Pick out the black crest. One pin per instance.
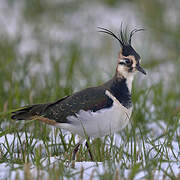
(124, 39)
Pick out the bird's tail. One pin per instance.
(29, 112)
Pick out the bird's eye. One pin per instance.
(127, 61)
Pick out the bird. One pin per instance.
(94, 111)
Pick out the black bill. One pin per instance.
(140, 69)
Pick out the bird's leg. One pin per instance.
(77, 148)
(75, 151)
(87, 145)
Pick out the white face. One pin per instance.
(126, 66)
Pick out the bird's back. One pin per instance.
(89, 99)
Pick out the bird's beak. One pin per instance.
(140, 69)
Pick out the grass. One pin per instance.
(31, 145)
(149, 144)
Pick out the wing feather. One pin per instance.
(90, 99)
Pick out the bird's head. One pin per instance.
(129, 59)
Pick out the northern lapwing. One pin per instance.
(95, 111)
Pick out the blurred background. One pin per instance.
(52, 48)
(49, 49)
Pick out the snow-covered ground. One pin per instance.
(86, 170)
(93, 169)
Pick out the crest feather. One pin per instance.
(123, 37)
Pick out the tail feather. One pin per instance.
(27, 113)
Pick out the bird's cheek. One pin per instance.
(120, 68)
(132, 69)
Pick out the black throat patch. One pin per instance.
(120, 90)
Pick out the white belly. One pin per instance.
(99, 123)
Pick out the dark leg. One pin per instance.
(87, 145)
(75, 151)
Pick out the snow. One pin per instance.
(84, 169)
(91, 169)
